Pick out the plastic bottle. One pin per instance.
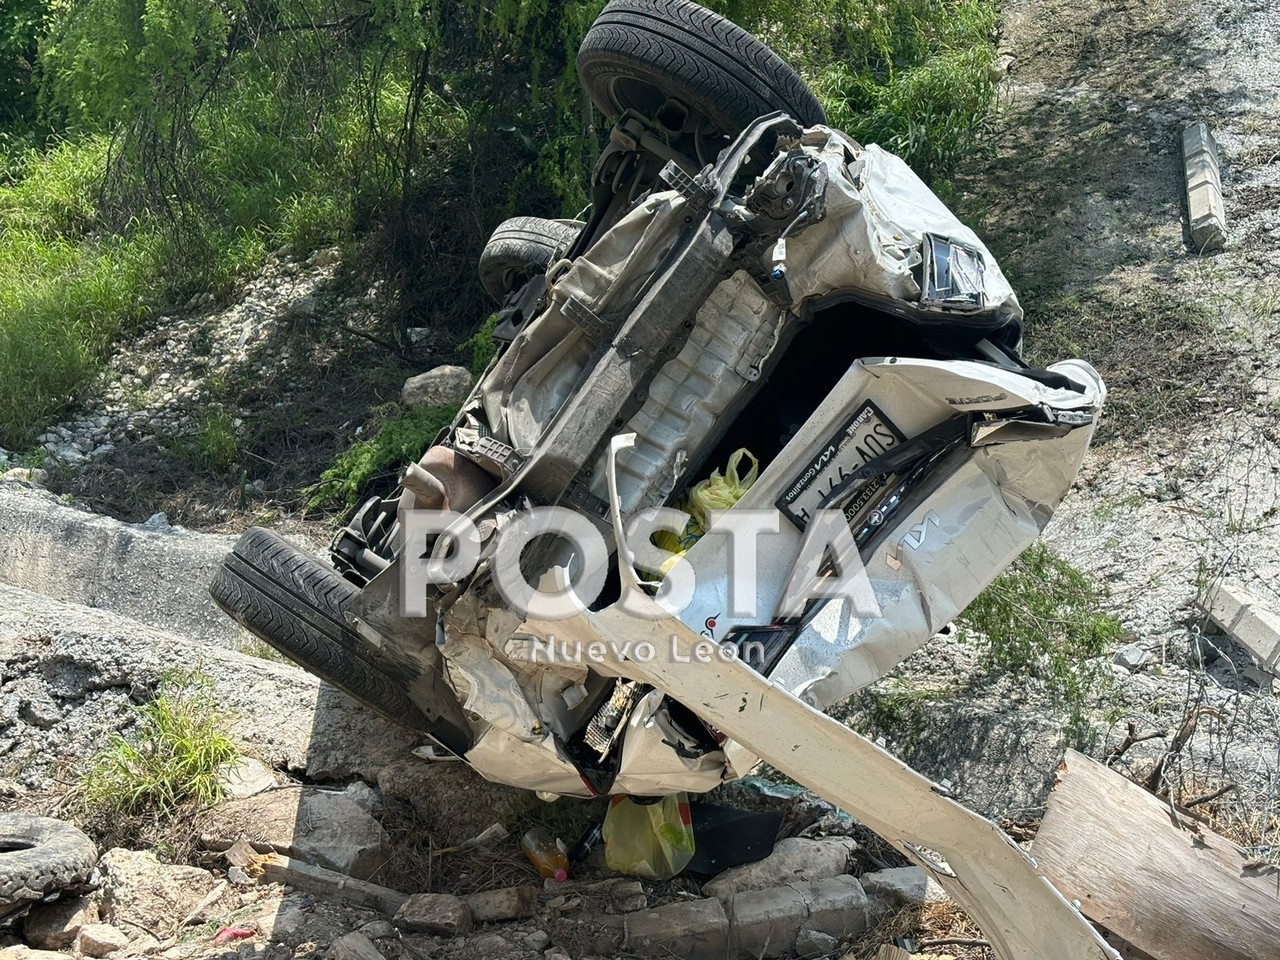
(545, 854)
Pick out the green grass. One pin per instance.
(300, 142)
(1042, 620)
(396, 438)
(218, 441)
(168, 761)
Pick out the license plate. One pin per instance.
(867, 434)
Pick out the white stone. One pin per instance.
(100, 940)
(246, 777)
(439, 387)
(795, 858)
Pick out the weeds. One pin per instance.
(169, 760)
(1041, 620)
(218, 441)
(218, 133)
(1198, 370)
(397, 437)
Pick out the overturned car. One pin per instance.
(748, 286)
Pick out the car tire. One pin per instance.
(40, 856)
(640, 50)
(296, 605)
(520, 248)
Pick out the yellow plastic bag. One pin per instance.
(717, 492)
(651, 840)
(722, 492)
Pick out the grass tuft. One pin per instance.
(218, 441)
(170, 759)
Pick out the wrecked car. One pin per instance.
(748, 286)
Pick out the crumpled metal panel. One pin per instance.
(878, 212)
(981, 517)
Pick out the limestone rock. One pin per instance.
(138, 891)
(100, 940)
(508, 903)
(795, 858)
(246, 777)
(439, 387)
(326, 828)
(54, 926)
(437, 913)
(353, 946)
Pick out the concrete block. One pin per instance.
(1248, 622)
(838, 907)
(764, 923)
(1206, 213)
(898, 887)
(693, 930)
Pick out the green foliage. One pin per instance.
(22, 22)
(1041, 619)
(202, 134)
(218, 441)
(396, 437)
(480, 346)
(169, 760)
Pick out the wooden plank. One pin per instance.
(277, 868)
(1177, 892)
(991, 879)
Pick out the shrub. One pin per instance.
(1041, 619)
(396, 437)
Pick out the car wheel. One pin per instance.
(40, 856)
(700, 76)
(521, 247)
(295, 604)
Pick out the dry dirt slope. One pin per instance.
(1078, 188)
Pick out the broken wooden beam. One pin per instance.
(277, 868)
(990, 878)
(1171, 887)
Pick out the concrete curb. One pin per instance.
(1206, 213)
(155, 574)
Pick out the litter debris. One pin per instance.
(546, 854)
(1166, 883)
(230, 934)
(651, 839)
